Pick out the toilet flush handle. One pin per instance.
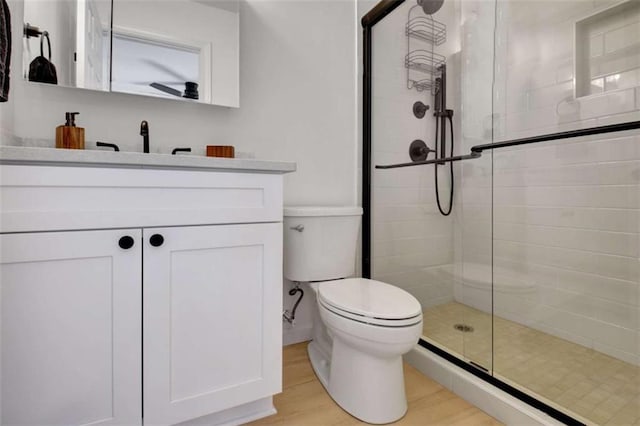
(298, 228)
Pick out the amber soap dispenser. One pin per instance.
(69, 136)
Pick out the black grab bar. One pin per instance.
(476, 151)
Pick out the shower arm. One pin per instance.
(476, 151)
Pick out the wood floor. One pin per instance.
(305, 402)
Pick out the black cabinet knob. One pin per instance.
(125, 242)
(156, 240)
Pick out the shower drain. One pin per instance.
(464, 328)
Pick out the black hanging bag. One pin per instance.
(42, 69)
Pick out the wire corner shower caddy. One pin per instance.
(424, 61)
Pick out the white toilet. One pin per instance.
(362, 327)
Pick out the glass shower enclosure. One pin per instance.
(533, 277)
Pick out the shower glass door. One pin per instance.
(566, 213)
(414, 246)
(473, 285)
(534, 277)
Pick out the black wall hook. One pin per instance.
(31, 31)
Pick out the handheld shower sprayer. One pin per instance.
(437, 95)
(443, 116)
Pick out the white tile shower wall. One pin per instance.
(560, 219)
(297, 103)
(567, 220)
(567, 214)
(412, 243)
(535, 75)
(612, 60)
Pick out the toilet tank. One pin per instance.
(320, 242)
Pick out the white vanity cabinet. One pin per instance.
(133, 296)
(209, 320)
(71, 306)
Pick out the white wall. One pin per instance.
(297, 95)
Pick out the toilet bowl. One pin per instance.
(362, 327)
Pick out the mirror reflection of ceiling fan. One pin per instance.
(190, 87)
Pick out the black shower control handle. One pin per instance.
(126, 242)
(156, 240)
(419, 151)
(420, 109)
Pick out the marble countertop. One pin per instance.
(95, 158)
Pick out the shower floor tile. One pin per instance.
(597, 388)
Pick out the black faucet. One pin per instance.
(175, 150)
(144, 132)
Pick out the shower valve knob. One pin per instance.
(420, 109)
(419, 151)
(298, 228)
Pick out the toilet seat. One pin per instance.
(370, 302)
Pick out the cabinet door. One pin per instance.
(70, 328)
(211, 319)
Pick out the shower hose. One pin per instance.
(442, 211)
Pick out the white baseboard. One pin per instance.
(237, 415)
(493, 401)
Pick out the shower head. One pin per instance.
(430, 6)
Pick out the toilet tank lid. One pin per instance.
(302, 211)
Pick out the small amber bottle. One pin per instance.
(69, 136)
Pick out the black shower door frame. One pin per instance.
(375, 15)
